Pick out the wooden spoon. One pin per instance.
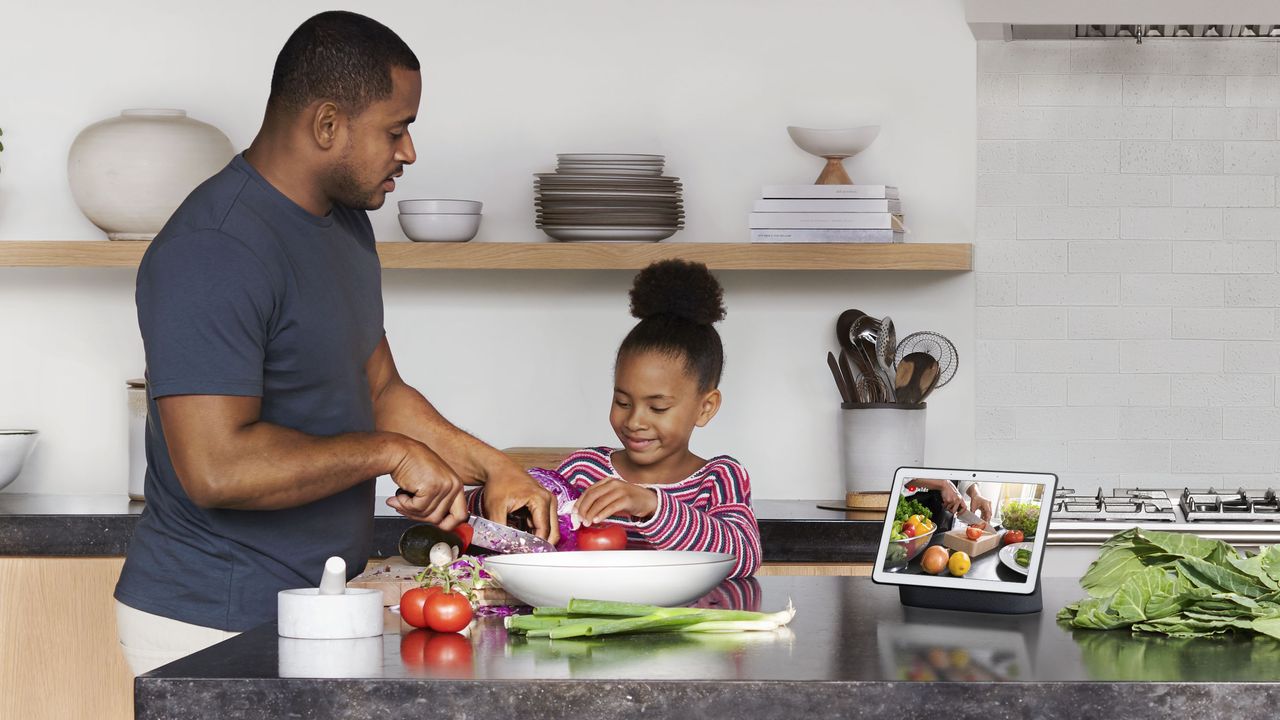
(850, 379)
(845, 391)
(916, 375)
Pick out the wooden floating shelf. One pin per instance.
(557, 255)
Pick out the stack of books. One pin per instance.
(827, 214)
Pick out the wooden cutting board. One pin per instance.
(393, 576)
(956, 540)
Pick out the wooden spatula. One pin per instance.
(916, 375)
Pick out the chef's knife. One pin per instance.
(506, 540)
(969, 517)
(500, 538)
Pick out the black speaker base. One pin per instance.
(971, 600)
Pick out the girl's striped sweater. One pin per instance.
(710, 510)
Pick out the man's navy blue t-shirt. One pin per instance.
(245, 293)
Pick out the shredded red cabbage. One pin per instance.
(564, 492)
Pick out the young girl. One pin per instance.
(665, 385)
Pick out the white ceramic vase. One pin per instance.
(129, 173)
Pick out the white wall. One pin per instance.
(1126, 288)
(519, 357)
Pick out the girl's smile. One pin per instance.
(656, 406)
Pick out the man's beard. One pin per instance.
(345, 189)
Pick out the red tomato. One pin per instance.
(973, 532)
(1012, 536)
(464, 533)
(413, 605)
(448, 611)
(909, 530)
(602, 537)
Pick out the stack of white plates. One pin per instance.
(618, 196)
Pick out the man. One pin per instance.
(274, 397)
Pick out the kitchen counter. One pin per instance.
(853, 651)
(101, 525)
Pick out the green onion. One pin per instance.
(525, 623)
(588, 618)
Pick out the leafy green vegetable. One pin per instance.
(908, 507)
(1020, 515)
(1179, 585)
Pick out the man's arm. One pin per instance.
(400, 409)
(226, 457)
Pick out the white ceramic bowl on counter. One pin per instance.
(15, 448)
(650, 577)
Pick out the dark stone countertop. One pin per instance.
(101, 525)
(853, 652)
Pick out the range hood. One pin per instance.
(1130, 20)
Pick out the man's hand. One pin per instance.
(434, 490)
(612, 496)
(978, 503)
(951, 499)
(508, 488)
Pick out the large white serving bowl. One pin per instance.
(649, 577)
(440, 227)
(839, 143)
(15, 448)
(411, 207)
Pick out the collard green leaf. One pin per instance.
(1268, 626)
(1149, 593)
(1271, 561)
(1095, 614)
(1185, 544)
(1252, 566)
(1202, 573)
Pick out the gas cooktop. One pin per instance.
(1242, 516)
(1149, 505)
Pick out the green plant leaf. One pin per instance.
(1268, 626)
(1215, 577)
(1185, 544)
(1149, 593)
(1121, 556)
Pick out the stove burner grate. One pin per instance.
(1242, 505)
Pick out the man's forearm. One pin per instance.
(270, 467)
(403, 410)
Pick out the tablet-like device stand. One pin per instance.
(971, 600)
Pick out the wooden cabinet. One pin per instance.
(58, 639)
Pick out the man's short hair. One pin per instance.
(340, 56)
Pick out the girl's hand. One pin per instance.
(612, 496)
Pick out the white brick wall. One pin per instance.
(1171, 223)
(1170, 158)
(1128, 302)
(1224, 123)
